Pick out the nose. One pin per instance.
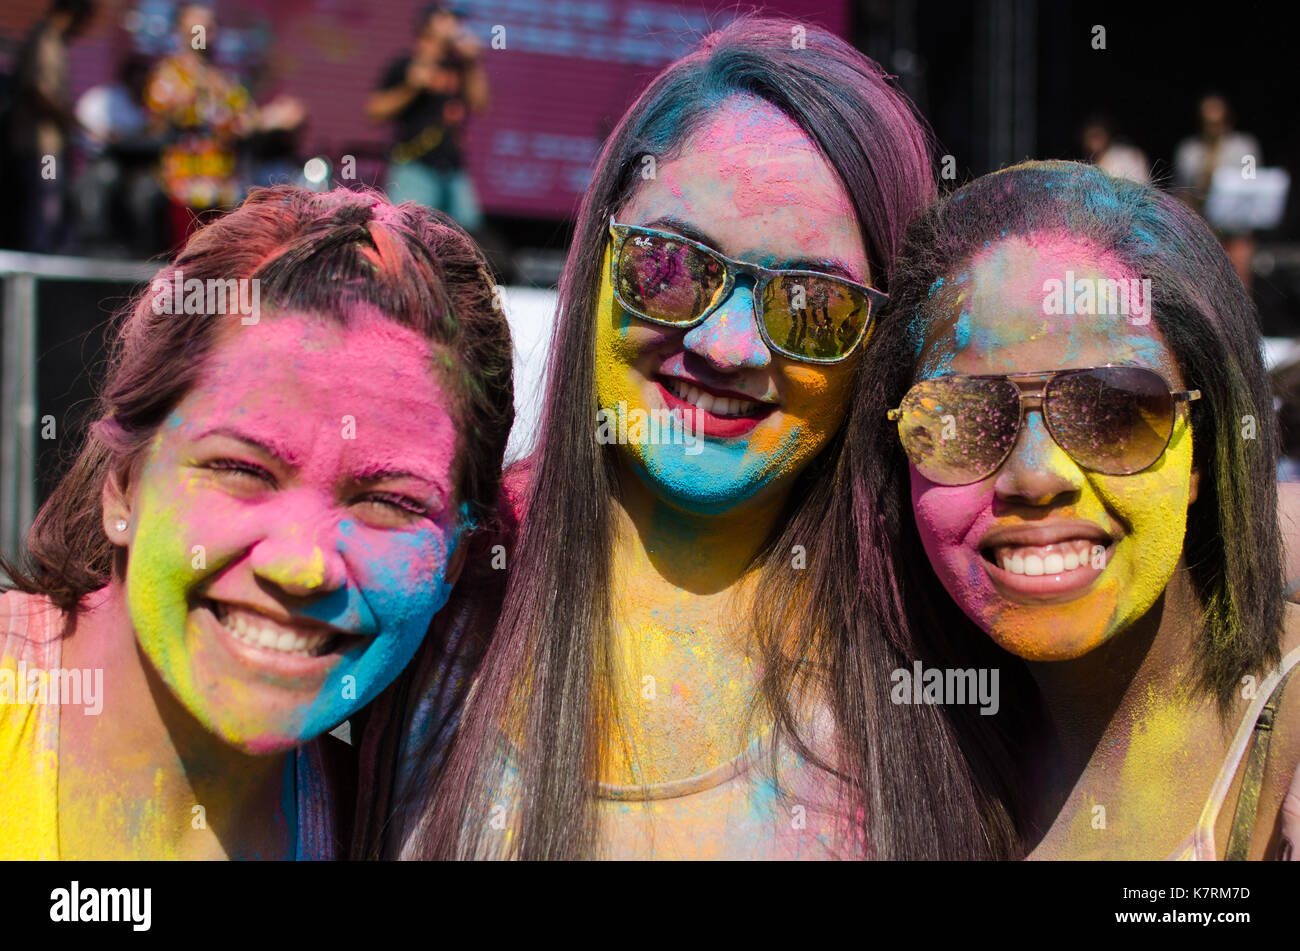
(729, 338)
(301, 559)
(1038, 471)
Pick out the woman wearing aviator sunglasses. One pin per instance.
(721, 283)
(1094, 491)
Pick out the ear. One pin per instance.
(117, 510)
(1193, 485)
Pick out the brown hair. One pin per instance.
(318, 253)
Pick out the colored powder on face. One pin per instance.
(757, 186)
(279, 382)
(723, 473)
(1001, 328)
(963, 328)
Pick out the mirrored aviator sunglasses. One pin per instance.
(1114, 420)
(676, 282)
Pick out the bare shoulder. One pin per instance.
(1284, 749)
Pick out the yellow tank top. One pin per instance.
(31, 645)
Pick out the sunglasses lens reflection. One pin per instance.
(814, 318)
(957, 431)
(667, 280)
(1113, 420)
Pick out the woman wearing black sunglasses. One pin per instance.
(729, 258)
(1064, 441)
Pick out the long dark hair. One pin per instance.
(545, 677)
(1232, 547)
(319, 253)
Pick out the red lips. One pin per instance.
(705, 423)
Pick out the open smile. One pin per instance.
(292, 648)
(1051, 562)
(713, 411)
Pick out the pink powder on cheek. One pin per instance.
(951, 520)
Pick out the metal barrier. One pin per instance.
(28, 343)
(22, 275)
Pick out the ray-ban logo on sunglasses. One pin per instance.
(1106, 297)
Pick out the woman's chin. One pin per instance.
(264, 735)
(1044, 634)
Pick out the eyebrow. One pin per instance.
(382, 473)
(687, 230)
(277, 450)
(371, 472)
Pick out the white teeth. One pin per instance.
(1021, 562)
(717, 405)
(269, 635)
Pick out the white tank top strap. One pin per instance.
(1203, 837)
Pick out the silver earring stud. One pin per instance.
(120, 525)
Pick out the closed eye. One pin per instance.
(404, 502)
(239, 471)
(392, 509)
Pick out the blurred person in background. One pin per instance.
(119, 204)
(207, 113)
(39, 125)
(1218, 146)
(428, 96)
(1111, 154)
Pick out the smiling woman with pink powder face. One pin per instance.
(1078, 464)
(264, 521)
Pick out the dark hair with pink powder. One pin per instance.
(547, 670)
(321, 254)
(1233, 544)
